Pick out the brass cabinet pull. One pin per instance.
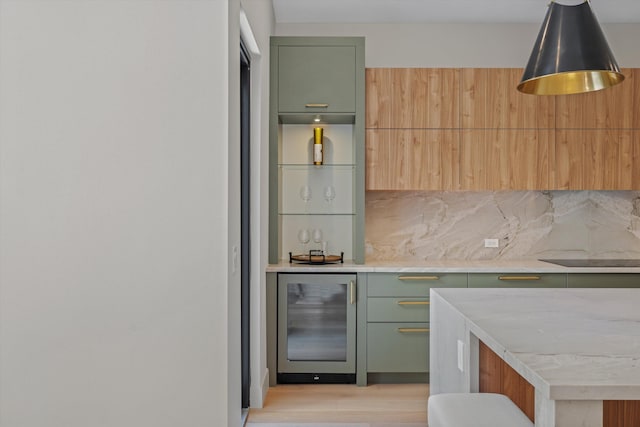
(413, 330)
(352, 292)
(312, 105)
(418, 277)
(413, 302)
(508, 278)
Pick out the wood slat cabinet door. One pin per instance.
(506, 159)
(596, 159)
(612, 108)
(412, 159)
(490, 100)
(412, 98)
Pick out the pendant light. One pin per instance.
(571, 54)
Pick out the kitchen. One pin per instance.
(123, 226)
(416, 216)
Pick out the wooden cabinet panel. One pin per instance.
(597, 159)
(412, 159)
(620, 413)
(470, 129)
(506, 159)
(490, 100)
(496, 376)
(412, 98)
(611, 108)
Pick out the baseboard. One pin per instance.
(259, 392)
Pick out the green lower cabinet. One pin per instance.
(398, 347)
(412, 284)
(398, 310)
(603, 280)
(517, 280)
(397, 334)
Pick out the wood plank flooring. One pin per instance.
(402, 405)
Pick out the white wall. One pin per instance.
(457, 45)
(116, 283)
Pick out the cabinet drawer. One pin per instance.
(603, 280)
(397, 347)
(411, 284)
(517, 280)
(398, 310)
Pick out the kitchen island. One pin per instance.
(578, 348)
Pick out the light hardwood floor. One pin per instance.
(402, 405)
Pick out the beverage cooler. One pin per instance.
(317, 328)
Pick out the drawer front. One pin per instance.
(603, 280)
(397, 347)
(412, 284)
(397, 309)
(517, 280)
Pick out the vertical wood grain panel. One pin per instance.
(377, 97)
(435, 96)
(490, 366)
(505, 159)
(621, 413)
(490, 100)
(611, 108)
(473, 98)
(507, 139)
(518, 390)
(411, 159)
(595, 159)
(473, 160)
(496, 376)
(522, 159)
(413, 98)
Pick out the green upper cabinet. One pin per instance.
(316, 82)
(316, 79)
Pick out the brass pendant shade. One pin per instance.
(571, 54)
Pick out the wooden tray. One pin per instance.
(316, 258)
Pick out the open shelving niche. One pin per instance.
(317, 208)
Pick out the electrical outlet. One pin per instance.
(491, 243)
(460, 356)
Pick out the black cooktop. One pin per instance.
(595, 262)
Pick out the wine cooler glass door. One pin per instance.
(316, 323)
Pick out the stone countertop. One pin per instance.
(445, 266)
(573, 344)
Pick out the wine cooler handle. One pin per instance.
(352, 292)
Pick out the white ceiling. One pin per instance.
(449, 11)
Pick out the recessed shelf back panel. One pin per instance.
(297, 142)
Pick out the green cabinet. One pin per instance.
(603, 280)
(316, 82)
(316, 78)
(397, 328)
(517, 280)
(397, 347)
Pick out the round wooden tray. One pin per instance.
(315, 259)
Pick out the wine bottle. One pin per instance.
(317, 146)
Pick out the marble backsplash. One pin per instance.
(529, 225)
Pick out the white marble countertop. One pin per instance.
(571, 344)
(446, 266)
